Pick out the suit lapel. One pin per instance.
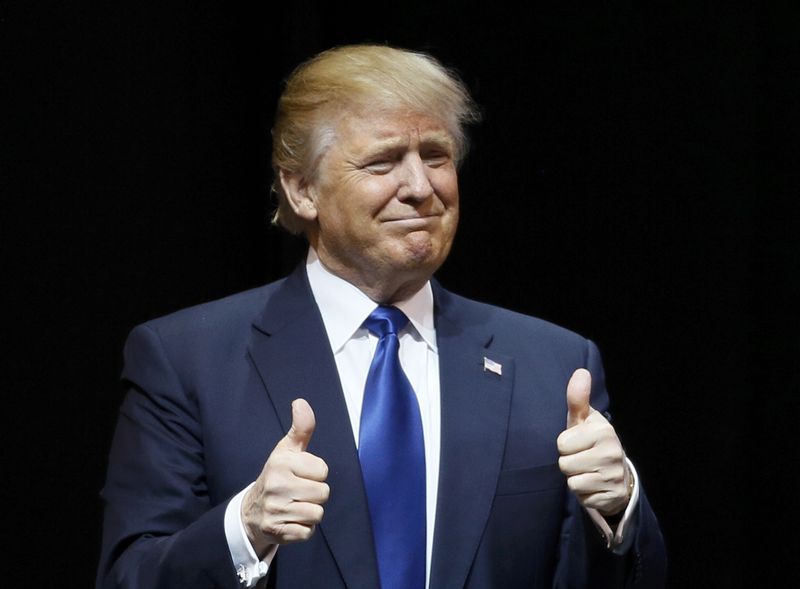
(475, 410)
(291, 352)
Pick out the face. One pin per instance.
(385, 202)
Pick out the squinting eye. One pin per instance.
(436, 159)
(379, 167)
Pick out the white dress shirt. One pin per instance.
(344, 308)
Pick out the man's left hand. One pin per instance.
(592, 457)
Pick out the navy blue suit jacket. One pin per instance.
(209, 393)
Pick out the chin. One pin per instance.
(423, 256)
(418, 247)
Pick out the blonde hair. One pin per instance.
(356, 77)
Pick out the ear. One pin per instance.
(299, 194)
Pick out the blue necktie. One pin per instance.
(392, 454)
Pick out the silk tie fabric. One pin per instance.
(391, 449)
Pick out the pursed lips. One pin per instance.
(410, 219)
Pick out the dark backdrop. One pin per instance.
(627, 182)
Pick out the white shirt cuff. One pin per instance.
(249, 568)
(620, 540)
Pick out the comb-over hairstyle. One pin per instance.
(353, 79)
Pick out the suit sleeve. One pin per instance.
(160, 530)
(585, 561)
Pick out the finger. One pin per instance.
(305, 514)
(579, 389)
(303, 424)
(310, 492)
(575, 440)
(592, 433)
(607, 503)
(587, 483)
(290, 533)
(308, 466)
(605, 458)
(573, 464)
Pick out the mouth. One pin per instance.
(416, 223)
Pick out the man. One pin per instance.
(355, 424)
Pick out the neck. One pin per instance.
(383, 288)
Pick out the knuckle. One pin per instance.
(272, 484)
(325, 493)
(591, 501)
(275, 530)
(278, 460)
(304, 533)
(612, 473)
(563, 463)
(607, 430)
(573, 483)
(610, 452)
(274, 506)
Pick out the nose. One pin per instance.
(415, 185)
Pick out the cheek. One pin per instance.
(351, 201)
(367, 196)
(376, 190)
(446, 186)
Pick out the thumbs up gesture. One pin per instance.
(285, 502)
(592, 457)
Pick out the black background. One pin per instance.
(631, 180)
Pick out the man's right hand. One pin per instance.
(285, 503)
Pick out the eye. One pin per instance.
(434, 159)
(380, 166)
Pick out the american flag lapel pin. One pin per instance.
(492, 366)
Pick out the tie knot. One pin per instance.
(385, 320)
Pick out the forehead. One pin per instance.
(366, 130)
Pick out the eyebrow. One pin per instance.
(435, 138)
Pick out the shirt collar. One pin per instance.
(344, 307)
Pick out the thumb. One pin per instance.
(303, 424)
(579, 389)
